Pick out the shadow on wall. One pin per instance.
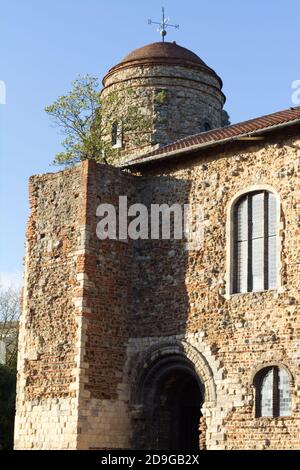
(160, 303)
(168, 394)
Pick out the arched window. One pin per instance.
(273, 397)
(254, 244)
(116, 135)
(206, 127)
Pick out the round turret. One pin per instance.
(174, 89)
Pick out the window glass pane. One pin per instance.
(258, 215)
(242, 220)
(242, 266)
(119, 135)
(272, 214)
(267, 394)
(114, 132)
(272, 262)
(284, 394)
(258, 263)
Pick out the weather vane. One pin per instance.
(163, 25)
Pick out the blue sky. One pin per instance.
(252, 44)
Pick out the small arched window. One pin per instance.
(254, 242)
(116, 135)
(206, 127)
(273, 396)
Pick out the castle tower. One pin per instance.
(173, 87)
(129, 343)
(75, 349)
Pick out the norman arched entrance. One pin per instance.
(172, 396)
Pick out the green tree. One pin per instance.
(9, 316)
(86, 119)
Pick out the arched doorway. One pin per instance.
(172, 395)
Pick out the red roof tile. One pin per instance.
(215, 136)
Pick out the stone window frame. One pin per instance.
(207, 126)
(117, 135)
(230, 240)
(255, 383)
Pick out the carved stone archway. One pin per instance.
(171, 383)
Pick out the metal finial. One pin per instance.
(163, 25)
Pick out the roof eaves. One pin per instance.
(213, 143)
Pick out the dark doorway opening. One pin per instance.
(175, 409)
(189, 403)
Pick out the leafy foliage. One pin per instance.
(86, 118)
(9, 314)
(161, 97)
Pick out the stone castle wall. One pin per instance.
(74, 320)
(107, 296)
(177, 100)
(49, 332)
(189, 302)
(98, 313)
